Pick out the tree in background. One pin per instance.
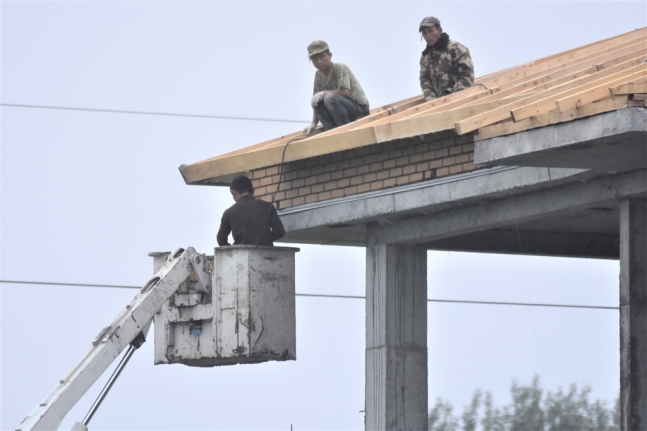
(531, 409)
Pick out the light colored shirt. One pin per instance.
(341, 77)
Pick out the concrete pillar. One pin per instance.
(396, 338)
(633, 314)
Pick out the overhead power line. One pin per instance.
(170, 114)
(321, 295)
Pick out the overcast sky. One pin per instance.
(86, 195)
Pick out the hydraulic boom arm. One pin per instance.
(128, 328)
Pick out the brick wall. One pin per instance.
(374, 167)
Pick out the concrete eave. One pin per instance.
(343, 221)
(611, 142)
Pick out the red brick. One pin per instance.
(415, 177)
(442, 172)
(429, 155)
(285, 204)
(389, 183)
(468, 148)
(363, 169)
(402, 180)
(471, 156)
(446, 162)
(265, 181)
(375, 166)
(415, 158)
(323, 178)
(311, 180)
(337, 175)
(350, 190)
(388, 164)
(382, 175)
(395, 153)
(270, 189)
(325, 195)
(330, 185)
(272, 171)
(468, 166)
(337, 193)
(280, 196)
(395, 172)
(455, 169)
(256, 183)
(377, 185)
(441, 153)
(298, 201)
(350, 172)
(343, 183)
(266, 198)
(311, 198)
(409, 169)
(317, 188)
(363, 188)
(430, 174)
(370, 177)
(298, 183)
(435, 164)
(292, 193)
(304, 191)
(259, 173)
(422, 166)
(259, 191)
(356, 180)
(463, 158)
(456, 150)
(402, 161)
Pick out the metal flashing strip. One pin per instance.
(401, 189)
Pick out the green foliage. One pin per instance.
(531, 409)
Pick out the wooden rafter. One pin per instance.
(583, 81)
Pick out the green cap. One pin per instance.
(317, 47)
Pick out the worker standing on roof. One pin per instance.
(251, 221)
(445, 65)
(338, 98)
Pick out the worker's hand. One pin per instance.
(310, 128)
(317, 98)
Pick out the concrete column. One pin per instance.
(396, 338)
(633, 314)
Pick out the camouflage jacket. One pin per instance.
(445, 68)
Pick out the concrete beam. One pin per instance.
(633, 314)
(510, 210)
(611, 141)
(396, 338)
(430, 195)
(535, 243)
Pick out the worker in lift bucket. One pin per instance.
(251, 221)
(445, 65)
(337, 98)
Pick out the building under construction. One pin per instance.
(547, 158)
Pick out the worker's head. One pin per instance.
(241, 186)
(320, 55)
(431, 30)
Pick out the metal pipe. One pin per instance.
(111, 381)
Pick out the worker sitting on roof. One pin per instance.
(445, 65)
(251, 221)
(338, 98)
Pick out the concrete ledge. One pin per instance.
(611, 141)
(430, 196)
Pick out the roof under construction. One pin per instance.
(585, 81)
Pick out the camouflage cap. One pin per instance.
(317, 47)
(429, 22)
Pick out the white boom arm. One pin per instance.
(111, 341)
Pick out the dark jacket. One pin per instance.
(251, 221)
(445, 68)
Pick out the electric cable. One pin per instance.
(322, 295)
(170, 114)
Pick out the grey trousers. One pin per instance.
(336, 110)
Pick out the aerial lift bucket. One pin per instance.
(243, 314)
